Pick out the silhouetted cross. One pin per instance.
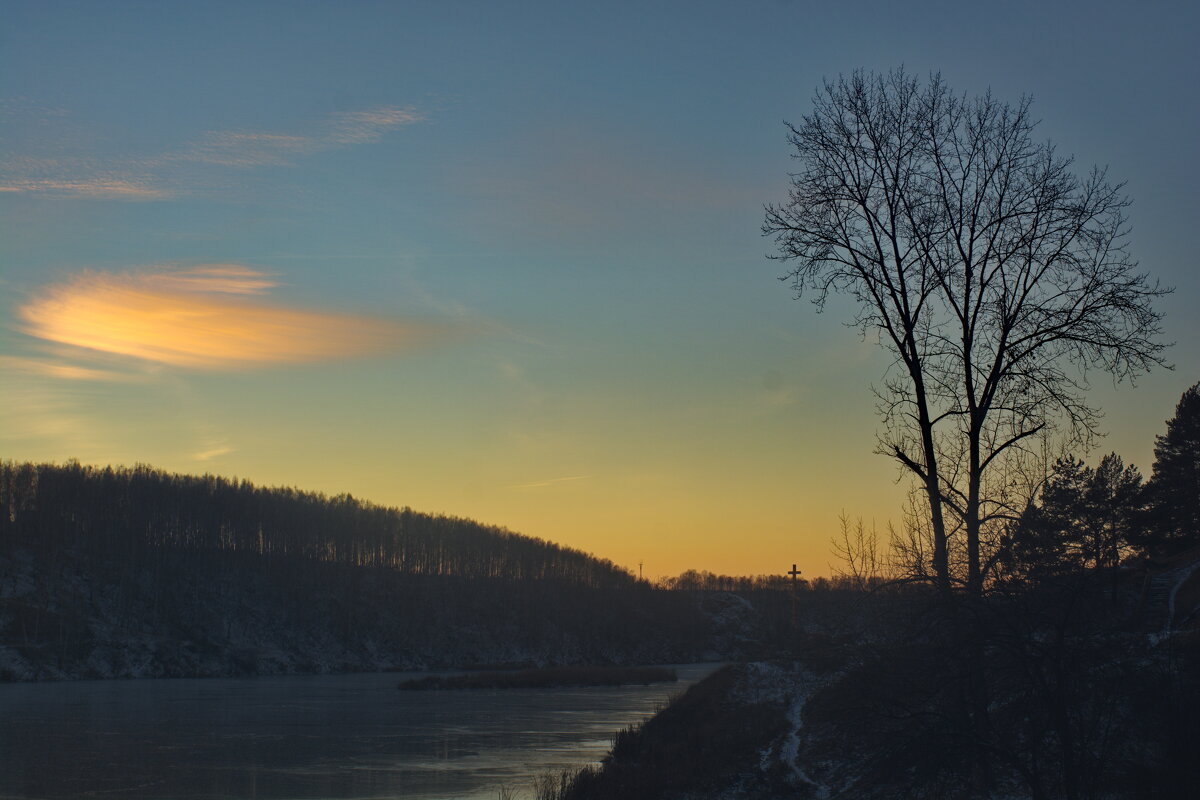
(795, 573)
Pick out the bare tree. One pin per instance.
(993, 274)
(857, 550)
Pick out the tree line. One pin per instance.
(1095, 518)
(127, 511)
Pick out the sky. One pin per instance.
(503, 260)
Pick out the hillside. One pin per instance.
(127, 511)
(135, 572)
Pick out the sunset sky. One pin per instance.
(502, 260)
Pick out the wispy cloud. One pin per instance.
(532, 394)
(250, 149)
(550, 482)
(222, 278)
(64, 371)
(216, 450)
(35, 411)
(365, 127)
(87, 188)
(204, 318)
(80, 178)
(777, 392)
(630, 184)
(245, 150)
(159, 176)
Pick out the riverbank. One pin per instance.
(732, 735)
(229, 615)
(544, 678)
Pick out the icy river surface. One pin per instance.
(303, 738)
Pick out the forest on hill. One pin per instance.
(129, 511)
(136, 572)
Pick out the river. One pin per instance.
(303, 737)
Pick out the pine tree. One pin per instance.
(1039, 543)
(1086, 519)
(1112, 500)
(1174, 488)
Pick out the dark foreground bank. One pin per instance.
(1052, 693)
(721, 738)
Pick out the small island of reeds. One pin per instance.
(545, 677)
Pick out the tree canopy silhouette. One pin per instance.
(1175, 485)
(992, 273)
(1087, 518)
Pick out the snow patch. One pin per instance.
(790, 687)
(1183, 574)
(790, 751)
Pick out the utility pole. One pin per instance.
(639, 570)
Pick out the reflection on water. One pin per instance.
(341, 736)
